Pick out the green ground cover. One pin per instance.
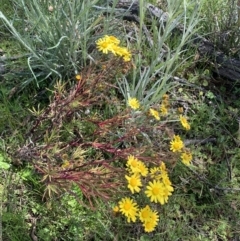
(105, 135)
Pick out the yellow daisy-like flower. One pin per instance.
(112, 39)
(104, 45)
(145, 214)
(143, 170)
(149, 218)
(155, 191)
(134, 183)
(123, 52)
(163, 110)
(151, 223)
(126, 55)
(149, 226)
(133, 164)
(184, 122)
(186, 158)
(176, 144)
(133, 103)
(166, 194)
(129, 208)
(110, 44)
(154, 113)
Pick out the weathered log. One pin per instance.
(223, 65)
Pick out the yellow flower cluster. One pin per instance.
(149, 218)
(177, 145)
(111, 44)
(163, 109)
(158, 188)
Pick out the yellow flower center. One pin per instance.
(134, 163)
(133, 182)
(145, 213)
(155, 191)
(177, 145)
(127, 206)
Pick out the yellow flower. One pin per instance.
(129, 208)
(132, 164)
(123, 52)
(134, 183)
(137, 167)
(110, 44)
(78, 77)
(176, 144)
(133, 103)
(151, 223)
(168, 187)
(186, 158)
(104, 45)
(127, 57)
(116, 209)
(184, 122)
(154, 113)
(115, 49)
(145, 214)
(142, 169)
(155, 191)
(163, 110)
(149, 218)
(112, 39)
(126, 54)
(166, 194)
(149, 226)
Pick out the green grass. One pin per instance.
(64, 144)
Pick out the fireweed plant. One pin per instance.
(152, 181)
